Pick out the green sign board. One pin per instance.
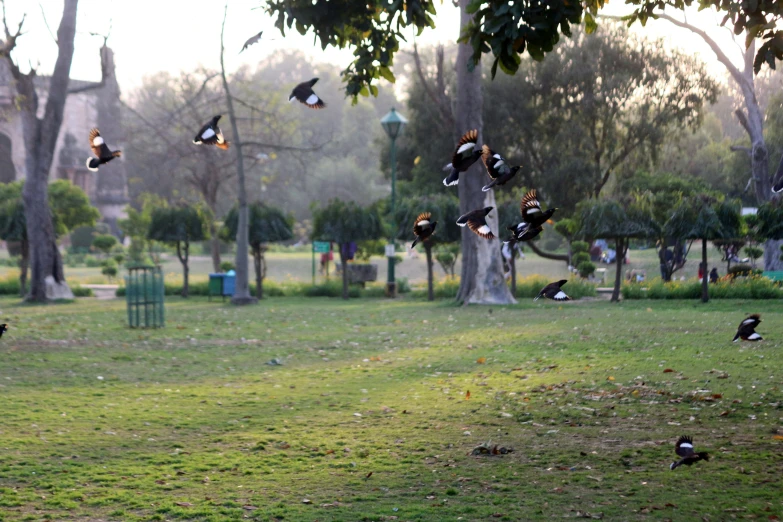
(320, 247)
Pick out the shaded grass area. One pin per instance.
(191, 423)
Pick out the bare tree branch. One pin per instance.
(46, 23)
(283, 147)
(438, 98)
(743, 120)
(738, 148)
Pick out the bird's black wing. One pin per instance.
(529, 206)
(467, 144)
(684, 446)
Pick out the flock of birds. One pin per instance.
(465, 155)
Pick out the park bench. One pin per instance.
(775, 275)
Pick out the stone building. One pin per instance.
(98, 107)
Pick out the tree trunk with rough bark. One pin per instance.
(344, 265)
(40, 138)
(242, 291)
(214, 246)
(24, 263)
(482, 280)
(430, 290)
(258, 259)
(185, 268)
(514, 271)
(620, 247)
(705, 289)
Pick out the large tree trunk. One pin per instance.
(482, 279)
(618, 277)
(24, 263)
(428, 251)
(705, 291)
(40, 138)
(514, 271)
(258, 259)
(242, 291)
(185, 268)
(344, 264)
(214, 246)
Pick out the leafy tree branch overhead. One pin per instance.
(374, 28)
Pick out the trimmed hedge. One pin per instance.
(754, 287)
(9, 285)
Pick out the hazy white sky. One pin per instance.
(149, 36)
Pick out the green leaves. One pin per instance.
(265, 225)
(174, 224)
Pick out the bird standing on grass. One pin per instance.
(747, 329)
(499, 171)
(684, 448)
(423, 228)
(476, 220)
(3, 329)
(304, 93)
(100, 150)
(210, 134)
(466, 154)
(553, 291)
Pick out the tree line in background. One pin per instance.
(601, 110)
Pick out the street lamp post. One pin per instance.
(392, 123)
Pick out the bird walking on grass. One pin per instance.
(684, 448)
(531, 210)
(553, 291)
(476, 220)
(747, 329)
(498, 169)
(304, 94)
(466, 154)
(423, 228)
(210, 134)
(101, 151)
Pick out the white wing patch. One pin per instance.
(312, 99)
(533, 210)
(560, 296)
(423, 222)
(484, 229)
(97, 141)
(499, 164)
(447, 167)
(292, 98)
(465, 147)
(461, 224)
(451, 184)
(208, 133)
(753, 336)
(686, 445)
(220, 138)
(748, 321)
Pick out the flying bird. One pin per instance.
(423, 228)
(3, 329)
(747, 329)
(210, 134)
(466, 154)
(531, 210)
(553, 291)
(523, 232)
(684, 448)
(250, 41)
(304, 93)
(477, 222)
(499, 171)
(100, 150)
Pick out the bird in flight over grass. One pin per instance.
(466, 154)
(553, 291)
(423, 228)
(476, 220)
(304, 93)
(747, 329)
(684, 448)
(101, 151)
(531, 210)
(498, 169)
(210, 134)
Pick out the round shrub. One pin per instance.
(586, 269)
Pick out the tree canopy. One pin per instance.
(265, 225)
(346, 221)
(507, 30)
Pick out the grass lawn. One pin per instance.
(367, 417)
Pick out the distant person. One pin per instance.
(714, 275)
(702, 268)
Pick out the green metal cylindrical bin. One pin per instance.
(144, 295)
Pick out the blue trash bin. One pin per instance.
(229, 283)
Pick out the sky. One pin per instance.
(150, 36)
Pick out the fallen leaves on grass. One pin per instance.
(489, 449)
(481, 360)
(467, 395)
(183, 504)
